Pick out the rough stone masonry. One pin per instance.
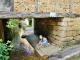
(61, 31)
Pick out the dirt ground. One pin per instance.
(24, 57)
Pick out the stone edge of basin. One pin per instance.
(66, 53)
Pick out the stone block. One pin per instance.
(41, 8)
(43, 1)
(16, 1)
(51, 39)
(51, 2)
(55, 37)
(76, 22)
(77, 37)
(30, 2)
(75, 27)
(59, 38)
(77, 41)
(75, 33)
(66, 19)
(30, 8)
(75, 1)
(77, 19)
(67, 39)
(68, 27)
(59, 43)
(55, 32)
(76, 6)
(78, 32)
(62, 23)
(59, 28)
(62, 6)
(73, 19)
(70, 23)
(69, 33)
(16, 5)
(74, 42)
(50, 8)
(62, 33)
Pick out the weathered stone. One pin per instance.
(74, 33)
(75, 6)
(68, 27)
(77, 19)
(77, 41)
(51, 39)
(62, 23)
(73, 42)
(59, 38)
(77, 37)
(65, 54)
(59, 28)
(65, 29)
(16, 1)
(55, 32)
(68, 39)
(62, 33)
(70, 23)
(61, 6)
(78, 32)
(66, 19)
(69, 33)
(75, 27)
(59, 43)
(55, 37)
(76, 23)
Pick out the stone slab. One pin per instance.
(65, 54)
(48, 50)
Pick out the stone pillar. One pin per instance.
(1, 30)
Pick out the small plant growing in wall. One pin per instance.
(4, 50)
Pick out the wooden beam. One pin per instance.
(34, 15)
(1, 30)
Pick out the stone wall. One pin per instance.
(61, 31)
(24, 5)
(60, 6)
(76, 6)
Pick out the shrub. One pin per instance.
(4, 50)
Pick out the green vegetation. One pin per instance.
(4, 50)
(30, 22)
(12, 23)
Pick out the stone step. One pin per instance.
(44, 51)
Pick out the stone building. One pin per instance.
(57, 20)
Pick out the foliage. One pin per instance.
(29, 18)
(30, 21)
(4, 50)
(12, 23)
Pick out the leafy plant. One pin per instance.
(4, 50)
(12, 23)
(30, 21)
